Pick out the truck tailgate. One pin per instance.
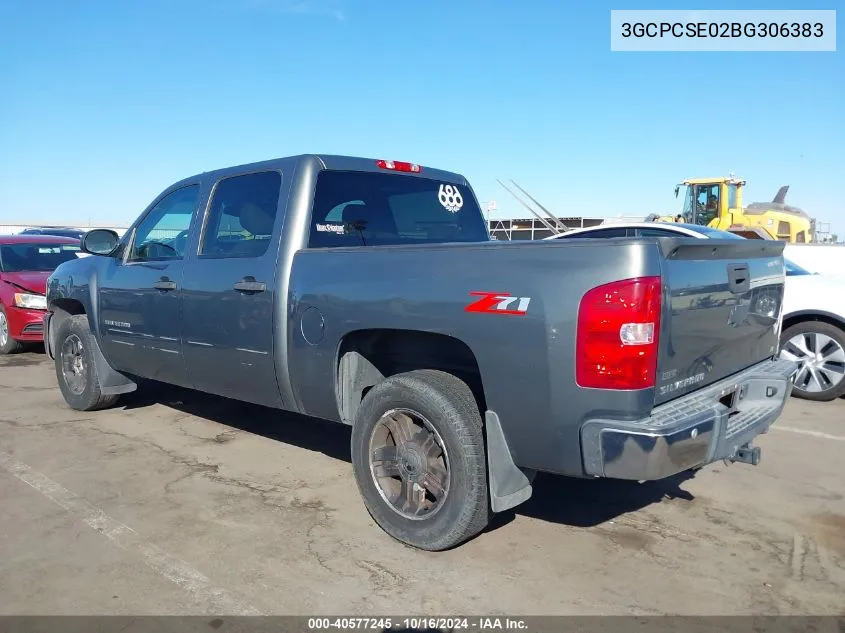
(721, 310)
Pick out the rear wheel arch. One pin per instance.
(366, 357)
(801, 316)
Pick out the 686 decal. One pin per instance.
(450, 198)
(498, 303)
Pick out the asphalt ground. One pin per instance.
(177, 503)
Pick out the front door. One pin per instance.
(140, 293)
(229, 291)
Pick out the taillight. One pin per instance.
(617, 337)
(397, 165)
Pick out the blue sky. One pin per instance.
(106, 103)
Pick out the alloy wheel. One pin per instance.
(409, 464)
(821, 361)
(73, 364)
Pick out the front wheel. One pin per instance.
(819, 348)
(419, 459)
(75, 367)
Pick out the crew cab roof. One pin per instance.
(327, 161)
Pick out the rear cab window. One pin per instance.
(355, 208)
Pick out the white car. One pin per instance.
(813, 309)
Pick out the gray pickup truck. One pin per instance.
(368, 292)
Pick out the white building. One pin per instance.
(14, 229)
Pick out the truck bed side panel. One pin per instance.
(526, 361)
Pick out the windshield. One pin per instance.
(792, 269)
(16, 258)
(367, 209)
(701, 203)
(57, 232)
(716, 234)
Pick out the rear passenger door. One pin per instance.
(229, 292)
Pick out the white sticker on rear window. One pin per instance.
(330, 228)
(450, 198)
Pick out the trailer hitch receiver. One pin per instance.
(747, 454)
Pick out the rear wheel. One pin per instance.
(8, 345)
(75, 368)
(419, 459)
(819, 348)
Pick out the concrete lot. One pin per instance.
(179, 503)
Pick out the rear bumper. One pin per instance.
(711, 424)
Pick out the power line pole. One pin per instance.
(489, 206)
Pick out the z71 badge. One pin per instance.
(498, 303)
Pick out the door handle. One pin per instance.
(249, 285)
(164, 284)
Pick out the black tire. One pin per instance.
(84, 395)
(830, 390)
(448, 406)
(8, 345)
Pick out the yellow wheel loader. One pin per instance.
(717, 203)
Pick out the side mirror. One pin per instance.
(99, 242)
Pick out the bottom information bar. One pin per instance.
(385, 624)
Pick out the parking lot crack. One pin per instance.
(215, 600)
(18, 424)
(380, 576)
(210, 470)
(797, 556)
(311, 549)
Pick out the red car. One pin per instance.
(25, 263)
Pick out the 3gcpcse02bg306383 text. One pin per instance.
(723, 30)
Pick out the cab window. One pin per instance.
(242, 215)
(791, 269)
(367, 209)
(157, 236)
(659, 233)
(732, 196)
(601, 233)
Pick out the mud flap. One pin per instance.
(509, 485)
(112, 382)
